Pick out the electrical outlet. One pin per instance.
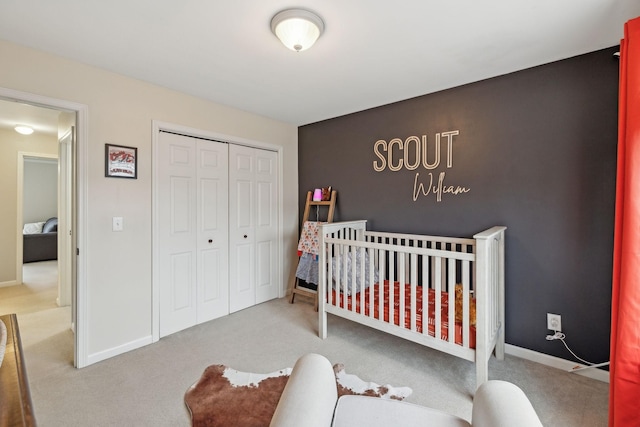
(554, 322)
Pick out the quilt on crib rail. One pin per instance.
(444, 310)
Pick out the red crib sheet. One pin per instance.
(444, 311)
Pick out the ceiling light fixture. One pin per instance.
(297, 29)
(24, 129)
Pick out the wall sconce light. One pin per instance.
(297, 29)
(23, 129)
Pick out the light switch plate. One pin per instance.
(117, 223)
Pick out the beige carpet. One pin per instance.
(45, 328)
(146, 387)
(38, 292)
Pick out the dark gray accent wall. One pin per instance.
(535, 149)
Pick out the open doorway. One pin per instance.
(66, 270)
(37, 292)
(39, 215)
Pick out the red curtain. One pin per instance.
(624, 390)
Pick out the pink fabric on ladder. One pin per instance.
(309, 241)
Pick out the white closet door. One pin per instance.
(177, 232)
(242, 289)
(253, 228)
(212, 242)
(266, 230)
(193, 237)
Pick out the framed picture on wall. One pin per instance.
(120, 161)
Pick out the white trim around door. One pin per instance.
(82, 123)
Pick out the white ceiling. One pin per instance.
(373, 52)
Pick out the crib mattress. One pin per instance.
(444, 310)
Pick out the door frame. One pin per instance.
(158, 126)
(79, 228)
(65, 216)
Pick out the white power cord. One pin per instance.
(560, 336)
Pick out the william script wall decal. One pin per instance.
(413, 153)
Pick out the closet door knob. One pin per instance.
(245, 236)
(210, 240)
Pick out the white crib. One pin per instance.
(365, 269)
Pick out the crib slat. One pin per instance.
(410, 243)
(351, 281)
(438, 291)
(342, 273)
(381, 276)
(353, 275)
(392, 278)
(372, 282)
(466, 294)
(425, 295)
(327, 278)
(414, 287)
(336, 272)
(363, 279)
(451, 315)
(401, 282)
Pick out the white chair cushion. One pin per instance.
(503, 404)
(310, 395)
(352, 411)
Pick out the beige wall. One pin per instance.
(121, 111)
(11, 143)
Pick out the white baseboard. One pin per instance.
(8, 283)
(115, 351)
(556, 362)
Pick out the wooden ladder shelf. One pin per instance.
(331, 204)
